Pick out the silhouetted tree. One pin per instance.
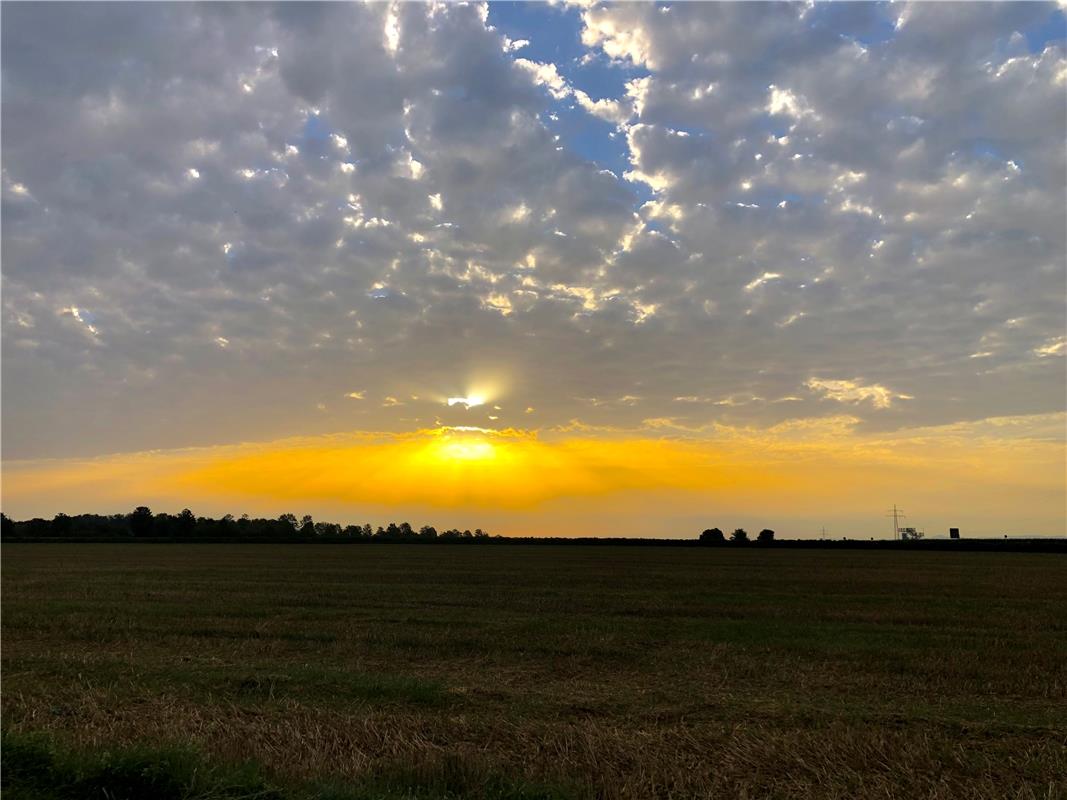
(140, 521)
(766, 536)
(186, 522)
(61, 525)
(7, 527)
(290, 520)
(712, 536)
(428, 532)
(307, 526)
(739, 536)
(327, 529)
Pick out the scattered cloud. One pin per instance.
(844, 391)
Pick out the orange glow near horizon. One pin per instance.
(452, 467)
(1007, 471)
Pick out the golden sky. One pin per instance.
(1003, 475)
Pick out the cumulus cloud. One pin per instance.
(219, 217)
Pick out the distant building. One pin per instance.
(953, 533)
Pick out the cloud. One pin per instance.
(843, 391)
(216, 216)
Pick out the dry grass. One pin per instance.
(601, 672)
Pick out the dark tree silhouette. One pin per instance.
(186, 522)
(712, 536)
(739, 536)
(140, 521)
(766, 536)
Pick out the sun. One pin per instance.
(467, 450)
(467, 402)
(466, 446)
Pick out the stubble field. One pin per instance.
(407, 671)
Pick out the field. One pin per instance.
(407, 671)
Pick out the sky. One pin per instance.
(547, 269)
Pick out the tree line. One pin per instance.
(143, 524)
(714, 536)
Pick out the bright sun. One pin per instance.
(467, 402)
(467, 449)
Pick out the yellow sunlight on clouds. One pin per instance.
(814, 467)
(452, 467)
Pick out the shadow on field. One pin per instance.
(34, 767)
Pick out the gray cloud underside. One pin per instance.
(188, 260)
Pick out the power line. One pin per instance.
(897, 514)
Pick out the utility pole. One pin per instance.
(823, 536)
(897, 514)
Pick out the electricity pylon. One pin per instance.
(897, 514)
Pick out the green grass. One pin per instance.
(614, 672)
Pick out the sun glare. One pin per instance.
(467, 450)
(468, 402)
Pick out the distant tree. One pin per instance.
(7, 527)
(766, 536)
(367, 531)
(427, 532)
(327, 529)
(61, 525)
(307, 526)
(739, 536)
(140, 521)
(164, 525)
(406, 531)
(712, 536)
(480, 534)
(186, 522)
(290, 520)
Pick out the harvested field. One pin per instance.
(401, 671)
